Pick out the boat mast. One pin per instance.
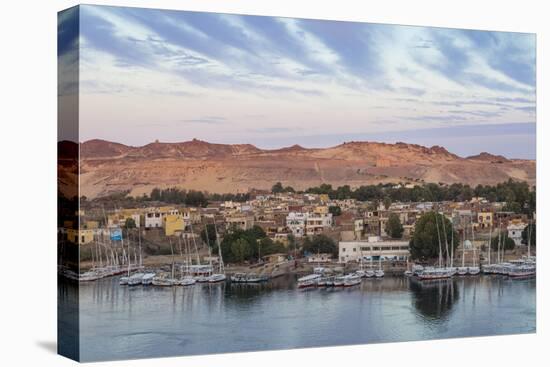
(194, 241)
(463, 240)
(128, 254)
(140, 253)
(438, 238)
(446, 242)
(490, 243)
(219, 248)
(499, 239)
(452, 243)
(473, 242)
(529, 231)
(172, 251)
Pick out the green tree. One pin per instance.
(394, 228)
(289, 189)
(530, 229)
(387, 202)
(506, 243)
(240, 250)
(277, 188)
(130, 223)
(320, 244)
(425, 241)
(335, 210)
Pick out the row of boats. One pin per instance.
(165, 279)
(320, 278)
(522, 268)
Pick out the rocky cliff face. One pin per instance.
(108, 167)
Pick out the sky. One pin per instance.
(172, 76)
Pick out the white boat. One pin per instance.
(417, 269)
(325, 281)
(369, 273)
(164, 281)
(352, 279)
(147, 278)
(308, 280)
(135, 279)
(361, 273)
(216, 278)
(523, 271)
(202, 278)
(462, 270)
(379, 273)
(123, 280)
(248, 278)
(408, 273)
(339, 281)
(434, 273)
(473, 270)
(186, 281)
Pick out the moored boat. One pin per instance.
(217, 278)
(135, 279)
(352, 279)
(308, 281)
(147, 278)
(434, 273)
(523, 271)
(186, 281)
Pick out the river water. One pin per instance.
(118, 322)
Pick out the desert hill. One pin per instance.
(108, 167)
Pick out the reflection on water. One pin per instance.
(434, 299)
(137, 322)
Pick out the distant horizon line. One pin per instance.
(300, 146)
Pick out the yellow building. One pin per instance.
(81, 237)
(484, 219)
(321, 209)
(173, 223)
(324, 198)
(118, 219)
(91, 224)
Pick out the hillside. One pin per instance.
(108, 167)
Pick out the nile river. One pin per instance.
(117, 322)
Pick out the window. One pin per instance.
(344, 249)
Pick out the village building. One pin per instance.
(241, 221)
(173, 223)
(514, 232)
(80, 236)
(154, 217)
(296, 223)
(484, 219)
(374, 248)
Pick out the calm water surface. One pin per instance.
(117, 322)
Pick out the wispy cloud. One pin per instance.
(329, 76)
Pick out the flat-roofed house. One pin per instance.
(373, 248)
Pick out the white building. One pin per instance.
(317, 222)
(154, 218)
(372, 249)
(296, 223)
(514, 232)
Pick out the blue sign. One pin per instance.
(116, 234)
